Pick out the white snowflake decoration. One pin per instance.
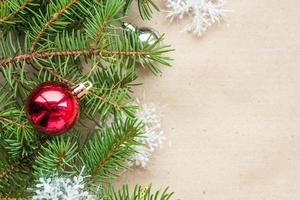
(62, 188)
(153, 135)
(204, 13)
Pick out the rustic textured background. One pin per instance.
(233, 114)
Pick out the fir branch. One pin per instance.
(16, 173)
(139, 193)
(100, 19)
(57, 156)
(151, 56)
(99, 32)
(127, 49)
(109, 150)
(17, 81)
(14, 176)
(38, 35)
(16, 136)
(113, 77)
(105, 100)
(16, 10)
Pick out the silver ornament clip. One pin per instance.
(128, 27)
(81, 89)
(147, 36)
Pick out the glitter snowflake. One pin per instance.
(62, 188)
(204, 13)
(153, 135)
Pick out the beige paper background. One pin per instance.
(233, 114)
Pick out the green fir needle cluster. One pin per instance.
(73, 41)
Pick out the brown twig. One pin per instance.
(84, 52)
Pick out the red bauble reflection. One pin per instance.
(52, 108)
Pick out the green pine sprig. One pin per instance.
(138, 193)
(109, 151)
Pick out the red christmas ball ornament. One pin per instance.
(52, 107)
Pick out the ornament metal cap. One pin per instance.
(129, 27)
(82, 88)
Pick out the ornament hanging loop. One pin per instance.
(81, 89)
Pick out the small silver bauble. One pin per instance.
(146, 35)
